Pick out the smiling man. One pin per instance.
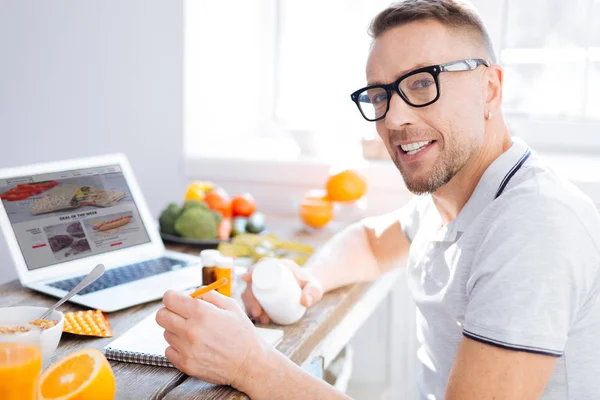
(503, 255)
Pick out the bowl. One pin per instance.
(22, 315)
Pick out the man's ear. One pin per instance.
(493, 80)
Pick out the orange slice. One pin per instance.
(83, 374)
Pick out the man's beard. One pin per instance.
(450, 161)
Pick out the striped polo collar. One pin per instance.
(492, 182)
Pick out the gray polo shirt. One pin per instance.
(520, 271)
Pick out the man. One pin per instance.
(502, 254)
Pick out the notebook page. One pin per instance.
(147, 338)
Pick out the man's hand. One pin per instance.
(360, 252)
(312, 290)
(482, 371)
(210, 338)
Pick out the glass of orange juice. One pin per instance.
(20, 362)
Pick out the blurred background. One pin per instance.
(255, 95)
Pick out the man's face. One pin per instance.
(453, 126)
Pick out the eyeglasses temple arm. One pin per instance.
(463, 65)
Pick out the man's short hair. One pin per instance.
(454, 14)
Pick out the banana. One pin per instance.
(234, 249)
(257, 246)
(295, 246)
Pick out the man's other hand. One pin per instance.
(312, 290)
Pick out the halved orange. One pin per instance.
(83, 374)
(316, 212)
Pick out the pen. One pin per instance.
(205, 289)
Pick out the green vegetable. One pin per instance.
(239, 226)
(217, 215)
(256, 223)
(168, 217)
(194, 204)
(196, 223)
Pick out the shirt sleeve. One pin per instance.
(531, 277)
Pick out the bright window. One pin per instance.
(275, 74)
(551, 54)
(264, 77)
(229, 50)
(322, 54)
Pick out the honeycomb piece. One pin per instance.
(88, 323)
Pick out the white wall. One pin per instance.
(86, 78)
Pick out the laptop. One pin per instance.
(61, 219)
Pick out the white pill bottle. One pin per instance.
(277, 291)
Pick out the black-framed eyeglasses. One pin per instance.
(418, 88)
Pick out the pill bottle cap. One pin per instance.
(224, 262)
(209, 257)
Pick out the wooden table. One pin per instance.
(313, 342)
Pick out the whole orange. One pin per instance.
(218, 200)
(347, 185)
(316, 212)
(243, 205)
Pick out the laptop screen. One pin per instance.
(63, 216)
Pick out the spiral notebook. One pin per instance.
(145, 343)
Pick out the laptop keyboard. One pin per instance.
(119, 276)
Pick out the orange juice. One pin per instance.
(20, 367)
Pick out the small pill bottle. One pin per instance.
(209, 265)
(277, 291)
(224, 269)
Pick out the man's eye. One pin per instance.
(421, 84)
(364, 98)
(379, 98)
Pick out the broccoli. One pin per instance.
(194, 204)
(217, 215)
(196, 223)
(168, 217)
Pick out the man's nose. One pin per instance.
(399, 113)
